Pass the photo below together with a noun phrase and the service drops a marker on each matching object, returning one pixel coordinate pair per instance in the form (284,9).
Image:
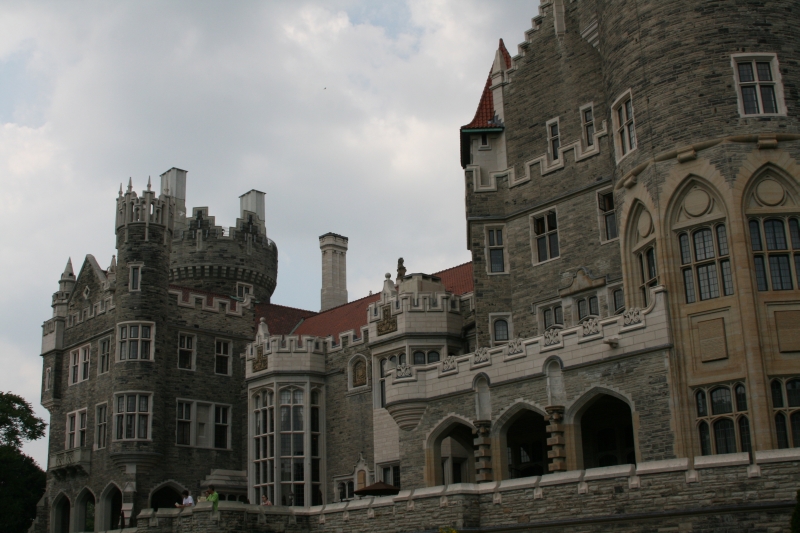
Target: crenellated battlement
(292,353)
(209,302)
(145,209)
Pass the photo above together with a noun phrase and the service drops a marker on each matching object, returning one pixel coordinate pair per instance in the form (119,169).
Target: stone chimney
(173,182)
(334,270)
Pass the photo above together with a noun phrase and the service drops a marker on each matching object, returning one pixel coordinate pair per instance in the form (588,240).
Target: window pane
(780,429)
(491,237)
(755,236)
(496,257)
(721,401)
(611,226)
(419,358)
(703,245)
(582,309)
(631,136)
(297,396)
(777,393)
(551,222)
(775,234)
(780,273)
(688,282)
(619,300)
(727,277)
(707,278)
(286,397)
(686,254)
(297,419)
(794,231)
(764,71)
(143,401)
(741,398)
(590,135)
(499,235)
(768,99)
(702,410)
(795,418)
(705,439)
(554,252)
(722,240)
(143,426)
(628,110)
(541,246)
(793,394)
(433,357)
(761,274)
(559,315)
(538,226)
(500,330)
(297,440)
(749,100)
(315,419)
(286,424)
(725,436)
(548,318)
(746,72)
(594,307)
(744,433)
(651,263)
(299,471)
(556,145)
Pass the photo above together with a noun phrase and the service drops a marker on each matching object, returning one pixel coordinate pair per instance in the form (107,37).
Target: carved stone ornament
(403,371)
(632,316)
(591,326)
(551,337)
(481,355)
(515,346)
(449,363)
(359,373)
(387,323)
(260,362)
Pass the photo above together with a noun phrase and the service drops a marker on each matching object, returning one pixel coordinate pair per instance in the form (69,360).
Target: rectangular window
(552,316)
(135,341)
(102,425)
(759,88)
(73,367)
(221,427)
(608,214)
(132,416)
(780,272)
(186,353)
(222,358)
(553,139)
(625,130)
(76,429)
(494,237)
(545,229)
(184,423)
(587,117)
(135,278)
(619,301)
(85,363)
(243,290)
(105,355)
(47,379)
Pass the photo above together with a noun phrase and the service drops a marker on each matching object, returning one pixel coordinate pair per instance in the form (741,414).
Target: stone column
(483,453)
(556,441)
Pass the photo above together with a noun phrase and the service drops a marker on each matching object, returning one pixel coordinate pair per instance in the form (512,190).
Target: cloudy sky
(345,112)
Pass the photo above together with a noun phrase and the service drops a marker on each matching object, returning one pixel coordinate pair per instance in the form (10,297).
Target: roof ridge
(348,303)
(290,307)
(452,267)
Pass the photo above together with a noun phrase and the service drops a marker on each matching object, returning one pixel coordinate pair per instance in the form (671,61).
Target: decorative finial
(388,276)
(130,184)
(120,190)
(401,269)
(148,183)
(113,266)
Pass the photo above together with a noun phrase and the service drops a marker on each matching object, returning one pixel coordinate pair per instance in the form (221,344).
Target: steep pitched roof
(280,319)
(353,315)
(484,115)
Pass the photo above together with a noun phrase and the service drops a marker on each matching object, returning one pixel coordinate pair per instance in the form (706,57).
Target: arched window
(382,381)
(500,330)
(433,357)
(702,409)
(725,427)
(419,357)
(359,373)
(401,359)
(588,307)
(776,258)
(744,433)
(648,272)
(724,436)
(786,406)
(706,267)
(721,401)
(741,398)
(705,439)
(342,491)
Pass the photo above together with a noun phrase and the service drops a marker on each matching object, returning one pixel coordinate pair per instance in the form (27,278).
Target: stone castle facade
(622,352)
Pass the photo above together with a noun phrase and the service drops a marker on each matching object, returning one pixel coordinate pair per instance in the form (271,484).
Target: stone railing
(675,494)
(69,462)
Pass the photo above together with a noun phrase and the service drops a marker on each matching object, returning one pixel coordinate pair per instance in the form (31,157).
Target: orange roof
(353,315)
(281,320)
(484,115)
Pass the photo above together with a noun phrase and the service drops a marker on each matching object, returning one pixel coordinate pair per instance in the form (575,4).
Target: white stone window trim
(193,337)
(601,216)
(137,413)
(243,289)
(494,317)
(534,248)
(217,354)
(620,154)
(97,426)
(487,249)
(576,307)
(80,361)
(554,139)
(777,83)
(427,349)
(541,308)
(48,378)
(644,285)
(351,375)
(710,419)
(151,339)
(108,355)
(611,289)
(585,125)
(481,137)
(138,267)
(379,468)
(349,483)
(74,430)
(210,424)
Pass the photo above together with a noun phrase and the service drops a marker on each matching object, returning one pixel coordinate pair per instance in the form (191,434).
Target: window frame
(776,83)
(710,419)
(80,360)
(243,289)
(602,216)
(193,337)
(135,280)
(641,262)
(393,469)
(228,356)
(544,215)
(611,300)
(490,241)
(550,307)
(622,148)
(104,358)
(588,299)
(121,417)
(694,265)
(787,411)
(493,319)
(101,426)
(151,340)
(554,145)
(75,432)
(588,137)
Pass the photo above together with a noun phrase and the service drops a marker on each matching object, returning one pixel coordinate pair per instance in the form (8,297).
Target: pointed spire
(130,184)
(68,273)
(120,190)
(113,266)
(148,183)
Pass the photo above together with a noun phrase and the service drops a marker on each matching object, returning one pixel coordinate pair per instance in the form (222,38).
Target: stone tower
(334,270)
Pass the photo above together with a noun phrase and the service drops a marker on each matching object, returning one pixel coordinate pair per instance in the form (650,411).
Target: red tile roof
(484,115)
(353,315)
(281,320)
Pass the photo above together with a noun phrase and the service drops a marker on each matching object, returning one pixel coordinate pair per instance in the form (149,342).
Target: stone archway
(451,453)
(61,512)
(110,507)
(84,511)
(524,445)
(606,431)
(165,497)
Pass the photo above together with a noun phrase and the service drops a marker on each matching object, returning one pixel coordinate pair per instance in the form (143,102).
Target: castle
(622,352)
